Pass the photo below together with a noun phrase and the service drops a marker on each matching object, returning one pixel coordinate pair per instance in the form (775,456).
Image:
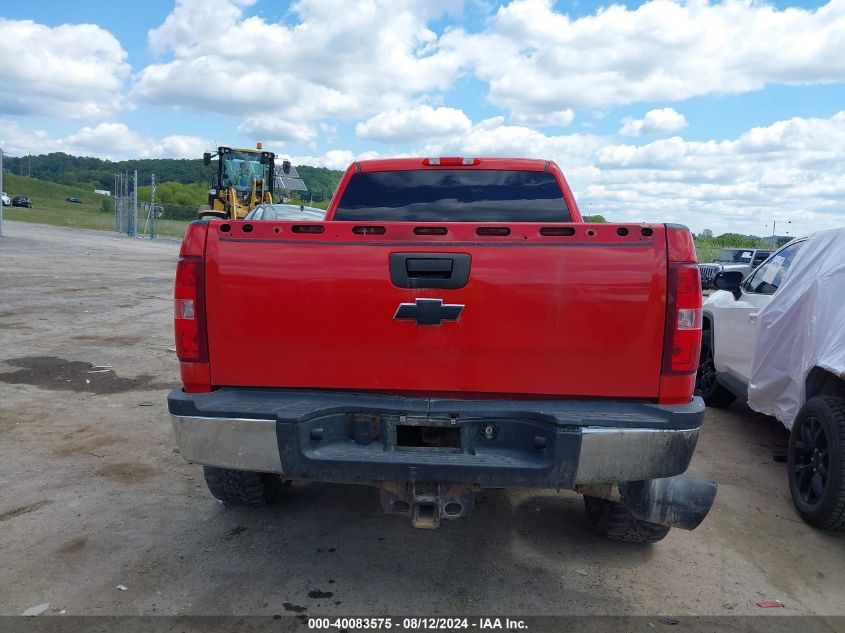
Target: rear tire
(613,520)
(706,384)
(244,488)
(816,460)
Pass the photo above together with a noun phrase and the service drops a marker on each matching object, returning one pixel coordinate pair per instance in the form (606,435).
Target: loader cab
(242,179)
(239,169)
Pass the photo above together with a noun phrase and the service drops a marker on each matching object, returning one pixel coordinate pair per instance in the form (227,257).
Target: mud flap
(426,504)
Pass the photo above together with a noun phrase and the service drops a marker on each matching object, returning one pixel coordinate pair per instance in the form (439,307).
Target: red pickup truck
(452,324)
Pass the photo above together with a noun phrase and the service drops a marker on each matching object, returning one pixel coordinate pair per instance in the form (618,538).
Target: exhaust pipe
(680,502)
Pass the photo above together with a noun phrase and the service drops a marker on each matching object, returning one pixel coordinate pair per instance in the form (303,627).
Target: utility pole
(29,165)
(133,218)
(775,224)
(152,216)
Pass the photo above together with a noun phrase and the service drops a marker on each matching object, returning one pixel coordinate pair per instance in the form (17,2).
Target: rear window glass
(453,195)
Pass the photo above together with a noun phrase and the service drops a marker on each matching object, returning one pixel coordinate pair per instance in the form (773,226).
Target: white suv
(7,201)
(779,361)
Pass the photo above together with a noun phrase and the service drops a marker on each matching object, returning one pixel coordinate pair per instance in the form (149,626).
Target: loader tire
(613,520)
(244,488)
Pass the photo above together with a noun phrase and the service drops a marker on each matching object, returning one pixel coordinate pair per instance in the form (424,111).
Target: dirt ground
(92,495)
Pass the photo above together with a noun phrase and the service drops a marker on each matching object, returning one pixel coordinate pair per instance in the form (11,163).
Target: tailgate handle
(429,270)
(432,268)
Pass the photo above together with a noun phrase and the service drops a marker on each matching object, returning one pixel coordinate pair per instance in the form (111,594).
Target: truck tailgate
(544,310)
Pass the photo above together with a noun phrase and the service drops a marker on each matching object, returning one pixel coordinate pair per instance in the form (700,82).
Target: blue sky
(719,115)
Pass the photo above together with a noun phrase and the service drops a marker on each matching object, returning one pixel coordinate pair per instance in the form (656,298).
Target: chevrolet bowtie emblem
(428,311)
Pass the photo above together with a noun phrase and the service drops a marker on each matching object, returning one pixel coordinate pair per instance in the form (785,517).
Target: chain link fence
(165,220)
(147,218)
(126,203)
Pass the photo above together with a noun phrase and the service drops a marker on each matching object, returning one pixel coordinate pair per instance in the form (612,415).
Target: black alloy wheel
(811,460)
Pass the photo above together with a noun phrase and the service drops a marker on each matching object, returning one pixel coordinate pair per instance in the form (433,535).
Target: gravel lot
(93,496)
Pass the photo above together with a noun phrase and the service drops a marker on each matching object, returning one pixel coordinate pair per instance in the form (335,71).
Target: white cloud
(71,71)
(537,60)
(113,141)
(662,120)
(413,124)
(275,129)
(116,140)
(542,117)
(325,61)
(334,159)
(335,61)
(789,169)
(493,138)
(190,22)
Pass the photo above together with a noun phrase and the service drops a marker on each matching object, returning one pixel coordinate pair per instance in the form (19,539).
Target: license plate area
(427,436)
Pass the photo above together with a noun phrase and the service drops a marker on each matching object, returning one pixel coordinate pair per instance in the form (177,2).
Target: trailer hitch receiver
(426,504)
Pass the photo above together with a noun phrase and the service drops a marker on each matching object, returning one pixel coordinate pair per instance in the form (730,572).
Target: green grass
(49,207)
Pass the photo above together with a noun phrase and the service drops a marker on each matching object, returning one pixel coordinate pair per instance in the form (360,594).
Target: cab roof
(406,164)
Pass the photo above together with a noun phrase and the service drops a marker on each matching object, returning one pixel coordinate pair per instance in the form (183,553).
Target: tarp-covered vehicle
(778,338)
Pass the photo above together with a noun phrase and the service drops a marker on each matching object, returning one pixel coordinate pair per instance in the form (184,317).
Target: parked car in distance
(22,201)
(7,201)
(72,199)
(775,340)
(285,212)
(743,260)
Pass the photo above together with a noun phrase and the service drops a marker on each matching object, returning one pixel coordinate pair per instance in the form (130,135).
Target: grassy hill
(50,207)
(50,195)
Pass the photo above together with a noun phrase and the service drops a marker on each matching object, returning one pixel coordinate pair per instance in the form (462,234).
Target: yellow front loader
(244,178)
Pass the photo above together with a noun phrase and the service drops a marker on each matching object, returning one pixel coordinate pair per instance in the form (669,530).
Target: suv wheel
(816,461)
(244,488)
(706,384)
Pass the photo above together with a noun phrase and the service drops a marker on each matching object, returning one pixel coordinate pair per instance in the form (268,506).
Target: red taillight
(683,320)
(189,310)
(451,161)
